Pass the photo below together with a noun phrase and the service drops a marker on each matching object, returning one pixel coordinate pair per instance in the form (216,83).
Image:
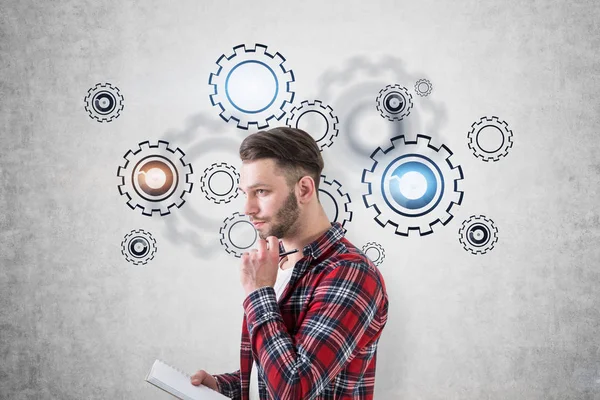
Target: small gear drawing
(341,201)
(423,87)
(490,138)
(251,86)
(326,112)
(155,178)
(394,102)
(104,102)
(478,234)
(412,185)
(138,247)
(376,247)
(240,223)
(213,190)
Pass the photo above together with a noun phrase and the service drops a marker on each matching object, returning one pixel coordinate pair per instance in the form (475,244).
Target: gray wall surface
(77,321)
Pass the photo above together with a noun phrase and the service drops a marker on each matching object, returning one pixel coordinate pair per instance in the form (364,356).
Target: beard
(285,219)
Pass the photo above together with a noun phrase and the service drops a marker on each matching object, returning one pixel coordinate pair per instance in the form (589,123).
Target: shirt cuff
(261,306)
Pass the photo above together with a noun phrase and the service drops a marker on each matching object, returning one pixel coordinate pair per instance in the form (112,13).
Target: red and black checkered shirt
(319,341)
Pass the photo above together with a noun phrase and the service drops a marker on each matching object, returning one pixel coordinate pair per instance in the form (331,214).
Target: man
(312,319)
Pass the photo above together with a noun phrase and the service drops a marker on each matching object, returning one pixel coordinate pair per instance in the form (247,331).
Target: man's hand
(204,378)
(259,266)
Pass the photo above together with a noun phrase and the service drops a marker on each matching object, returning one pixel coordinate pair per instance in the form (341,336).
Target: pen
(288,252)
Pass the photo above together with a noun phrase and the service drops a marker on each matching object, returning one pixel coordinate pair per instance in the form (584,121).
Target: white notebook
(178,383)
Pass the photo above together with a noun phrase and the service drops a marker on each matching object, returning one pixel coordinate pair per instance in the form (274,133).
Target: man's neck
(309,230)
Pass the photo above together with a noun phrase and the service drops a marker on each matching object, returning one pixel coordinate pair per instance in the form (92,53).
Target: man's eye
(260,190)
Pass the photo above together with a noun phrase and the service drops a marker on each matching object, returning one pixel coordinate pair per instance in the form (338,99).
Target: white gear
(325,111)
(274,63)
(490,122)
(423,92)
(225,232)
(205,183)
(341,200)
(378,248)
(446,198)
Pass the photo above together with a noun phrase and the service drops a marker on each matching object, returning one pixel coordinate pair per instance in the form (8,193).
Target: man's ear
(305,189)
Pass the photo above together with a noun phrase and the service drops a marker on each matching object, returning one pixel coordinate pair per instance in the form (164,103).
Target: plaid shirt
(319,341)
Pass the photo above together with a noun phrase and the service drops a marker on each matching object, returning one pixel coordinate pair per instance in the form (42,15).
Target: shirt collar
(318,246)
(325,241)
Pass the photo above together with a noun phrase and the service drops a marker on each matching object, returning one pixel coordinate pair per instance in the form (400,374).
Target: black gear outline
(426,92)
(261,118)
(89,107)
(491,227)
(382,109)
(228,223)
(380,250)
(326,112)
(339,198)
(126,187)
(507,137)
(151,242)
(205,183)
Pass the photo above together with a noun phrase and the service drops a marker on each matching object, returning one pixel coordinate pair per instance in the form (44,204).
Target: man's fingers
(198,377)
(262,248)
(273,245)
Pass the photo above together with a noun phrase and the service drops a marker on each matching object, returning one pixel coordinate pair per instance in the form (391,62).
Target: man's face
(268,199)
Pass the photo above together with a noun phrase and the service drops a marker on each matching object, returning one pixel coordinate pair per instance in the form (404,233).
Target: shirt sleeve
(342,317)
(229,384)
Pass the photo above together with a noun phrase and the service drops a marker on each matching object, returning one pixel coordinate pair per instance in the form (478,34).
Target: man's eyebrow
(253,186)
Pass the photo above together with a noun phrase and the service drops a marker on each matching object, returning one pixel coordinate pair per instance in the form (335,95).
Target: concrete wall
(78,321)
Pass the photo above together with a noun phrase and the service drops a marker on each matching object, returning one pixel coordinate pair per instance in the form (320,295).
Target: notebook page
(178,383)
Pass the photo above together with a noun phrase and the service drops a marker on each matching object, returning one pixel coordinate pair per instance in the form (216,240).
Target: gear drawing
(478,234)
(138,247)
(377,248)
(341,201)
(490,138)
(394,102)
(423,87)
(104,102)
(412,185)
(326,112)
(240,223)
(251,86)
(155,178)
(210,188)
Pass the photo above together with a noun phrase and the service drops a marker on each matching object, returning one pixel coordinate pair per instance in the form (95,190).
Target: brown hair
(295,152)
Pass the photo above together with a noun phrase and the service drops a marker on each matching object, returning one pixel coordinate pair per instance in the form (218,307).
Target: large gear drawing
(104,102)
(497,132)
(239,222)
(412,185)
(138,247)
(209,188)
(270,67)
(376,247)
(478,234)
(394,102)
(423,87)
(326,112)
(340,199)
(155,178)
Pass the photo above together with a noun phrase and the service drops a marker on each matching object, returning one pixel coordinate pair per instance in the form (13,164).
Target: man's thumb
(198,377)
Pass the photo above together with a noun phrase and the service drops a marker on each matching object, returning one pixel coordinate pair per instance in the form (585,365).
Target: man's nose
(249,206)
